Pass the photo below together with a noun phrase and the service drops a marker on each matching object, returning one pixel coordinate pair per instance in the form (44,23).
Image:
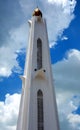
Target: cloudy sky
(63,19)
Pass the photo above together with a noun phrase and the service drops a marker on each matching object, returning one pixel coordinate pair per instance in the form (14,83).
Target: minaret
(38,109)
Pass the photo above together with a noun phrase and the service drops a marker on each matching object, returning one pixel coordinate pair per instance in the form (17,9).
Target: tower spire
(37,3)
(38,110)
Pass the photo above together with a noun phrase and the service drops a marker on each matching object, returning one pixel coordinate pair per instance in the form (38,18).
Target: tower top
(37,12)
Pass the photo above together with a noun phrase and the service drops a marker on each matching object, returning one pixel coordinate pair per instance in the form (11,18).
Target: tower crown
(37,12)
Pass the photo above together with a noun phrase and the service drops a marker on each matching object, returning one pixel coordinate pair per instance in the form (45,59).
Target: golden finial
(37,12)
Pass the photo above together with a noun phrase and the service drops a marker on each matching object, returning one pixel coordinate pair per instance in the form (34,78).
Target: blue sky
(64,36)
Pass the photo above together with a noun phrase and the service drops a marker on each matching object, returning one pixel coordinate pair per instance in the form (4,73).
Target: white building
(38,109)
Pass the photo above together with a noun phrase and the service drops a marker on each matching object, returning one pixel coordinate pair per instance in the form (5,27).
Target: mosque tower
(38,109)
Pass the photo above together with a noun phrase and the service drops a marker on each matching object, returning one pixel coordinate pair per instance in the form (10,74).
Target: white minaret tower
(38,109)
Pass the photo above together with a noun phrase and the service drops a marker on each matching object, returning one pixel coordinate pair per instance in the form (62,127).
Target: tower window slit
(39,54)
(40,110)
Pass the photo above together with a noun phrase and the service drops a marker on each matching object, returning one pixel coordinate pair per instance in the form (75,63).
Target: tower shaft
(38,109)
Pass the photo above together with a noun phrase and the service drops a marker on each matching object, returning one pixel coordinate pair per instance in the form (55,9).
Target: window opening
(40,110)
(39,54)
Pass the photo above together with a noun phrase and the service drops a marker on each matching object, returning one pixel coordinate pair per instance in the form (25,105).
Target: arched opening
(40,116)
(39,53)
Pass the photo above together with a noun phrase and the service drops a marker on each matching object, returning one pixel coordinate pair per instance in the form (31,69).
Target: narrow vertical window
(39,54)
(40,110)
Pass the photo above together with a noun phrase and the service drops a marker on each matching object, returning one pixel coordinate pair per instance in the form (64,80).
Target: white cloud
(8,55)
(68,120)
(9,112)
(67,73)
(63,2)
(10,107)
(17,38)
(59,21)
(67,84)
(74,120)
(27,7)
(64,38)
